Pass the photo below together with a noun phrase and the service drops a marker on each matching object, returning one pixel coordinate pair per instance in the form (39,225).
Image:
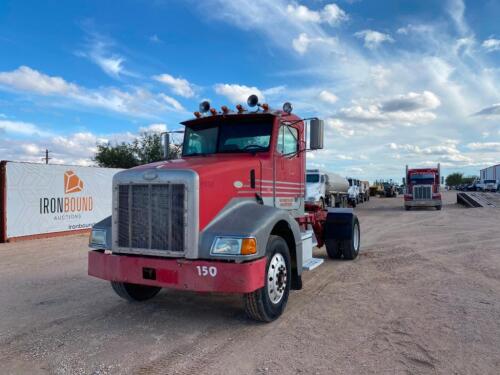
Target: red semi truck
(229,216)
(422,188)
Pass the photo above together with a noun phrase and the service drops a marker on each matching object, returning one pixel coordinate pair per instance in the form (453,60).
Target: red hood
(218,175)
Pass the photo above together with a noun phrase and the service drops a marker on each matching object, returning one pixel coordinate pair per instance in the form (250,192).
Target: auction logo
(72,183)
(74,204)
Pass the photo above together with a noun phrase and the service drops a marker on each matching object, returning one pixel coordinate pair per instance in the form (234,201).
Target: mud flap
(339,224)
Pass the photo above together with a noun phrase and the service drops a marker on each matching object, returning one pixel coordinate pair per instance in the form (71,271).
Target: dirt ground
(422,298)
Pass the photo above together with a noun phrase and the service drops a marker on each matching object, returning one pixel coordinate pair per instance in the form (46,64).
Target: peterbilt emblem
(149,175)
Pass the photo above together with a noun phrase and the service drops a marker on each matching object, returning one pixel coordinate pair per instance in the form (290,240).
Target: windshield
(422,179)
(228,136)
(312,178)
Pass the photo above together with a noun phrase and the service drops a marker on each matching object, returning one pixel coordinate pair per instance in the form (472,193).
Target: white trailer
(326,189)
(490,178)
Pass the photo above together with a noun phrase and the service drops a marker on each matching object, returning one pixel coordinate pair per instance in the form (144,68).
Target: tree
(143,150)
(454,179)
(118,156)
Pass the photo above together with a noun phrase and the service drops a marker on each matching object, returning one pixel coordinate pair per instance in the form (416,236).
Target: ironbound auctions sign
(55,198)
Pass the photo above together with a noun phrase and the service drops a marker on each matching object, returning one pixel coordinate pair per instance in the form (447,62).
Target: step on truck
(228,216)
(326,189)
(423,188)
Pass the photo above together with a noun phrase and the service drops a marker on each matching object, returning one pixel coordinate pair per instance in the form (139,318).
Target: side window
(322,178)
(287,140)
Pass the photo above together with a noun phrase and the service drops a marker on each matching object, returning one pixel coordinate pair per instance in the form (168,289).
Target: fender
(247,218)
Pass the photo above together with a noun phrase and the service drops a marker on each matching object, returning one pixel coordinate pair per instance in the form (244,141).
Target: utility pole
(46,157)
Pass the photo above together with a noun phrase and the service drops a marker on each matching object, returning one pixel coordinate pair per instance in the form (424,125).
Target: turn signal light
(248,246)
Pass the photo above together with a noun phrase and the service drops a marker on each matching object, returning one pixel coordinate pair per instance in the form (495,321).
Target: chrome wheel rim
(276,278)
(355,238)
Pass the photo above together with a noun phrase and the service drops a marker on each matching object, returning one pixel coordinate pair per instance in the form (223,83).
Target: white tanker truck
(326,189)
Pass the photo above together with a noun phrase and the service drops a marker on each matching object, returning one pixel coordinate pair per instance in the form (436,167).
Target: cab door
(288,169)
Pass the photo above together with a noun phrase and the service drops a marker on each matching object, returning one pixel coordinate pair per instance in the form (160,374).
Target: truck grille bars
(152,216)
(422,192)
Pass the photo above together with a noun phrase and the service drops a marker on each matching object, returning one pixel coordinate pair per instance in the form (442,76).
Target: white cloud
(26,79)
(372,38)
(328,97)
(155,39)
(21,128)
(135,102)
(331,14)
(491,44)
(303,13)
(484,146)
(179,86)
(238,93)
(408,109)
(154,128)
(302,43)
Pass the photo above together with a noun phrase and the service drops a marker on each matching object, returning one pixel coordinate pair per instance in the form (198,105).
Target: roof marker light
(197,114)
(240,108)
(213,111)
(287,107)
(265,107)
(204,106)
(224,109)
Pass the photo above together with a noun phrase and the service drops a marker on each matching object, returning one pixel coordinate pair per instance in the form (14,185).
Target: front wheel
(134,292)
(438,208)
(268,303)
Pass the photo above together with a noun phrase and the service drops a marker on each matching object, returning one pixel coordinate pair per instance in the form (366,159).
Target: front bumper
(193,275)
(424,203)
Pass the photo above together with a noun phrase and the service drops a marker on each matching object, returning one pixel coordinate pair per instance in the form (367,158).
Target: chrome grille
(152,216)
(422,192)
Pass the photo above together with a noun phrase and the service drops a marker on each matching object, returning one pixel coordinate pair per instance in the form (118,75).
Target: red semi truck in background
(229,216)
(422,188)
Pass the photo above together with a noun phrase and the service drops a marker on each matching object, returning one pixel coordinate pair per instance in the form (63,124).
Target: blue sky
(397,81)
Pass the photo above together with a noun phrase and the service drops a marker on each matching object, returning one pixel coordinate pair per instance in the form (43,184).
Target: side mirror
(317,129)
(165,145)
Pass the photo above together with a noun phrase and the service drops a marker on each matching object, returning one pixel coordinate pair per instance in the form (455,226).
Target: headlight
(233,246)
(97,238)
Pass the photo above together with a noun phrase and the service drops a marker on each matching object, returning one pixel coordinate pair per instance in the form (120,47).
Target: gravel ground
(422,298)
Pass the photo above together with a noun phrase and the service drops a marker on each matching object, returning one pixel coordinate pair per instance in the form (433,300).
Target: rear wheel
(438,208)
(134,292)
(350,248)
(269,302)
(333,249)
(407,208)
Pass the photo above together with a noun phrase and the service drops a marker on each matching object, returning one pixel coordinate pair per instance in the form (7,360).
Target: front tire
(438,208)
(268,303)
(135,292)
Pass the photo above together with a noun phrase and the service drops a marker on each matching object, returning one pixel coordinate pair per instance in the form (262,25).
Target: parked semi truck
(422,188)
(326,189)
(229,216)
(354,191)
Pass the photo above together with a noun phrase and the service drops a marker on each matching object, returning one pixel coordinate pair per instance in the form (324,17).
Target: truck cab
(489,185)
(354,191)
(316,187)
(423,188)
(228,216)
